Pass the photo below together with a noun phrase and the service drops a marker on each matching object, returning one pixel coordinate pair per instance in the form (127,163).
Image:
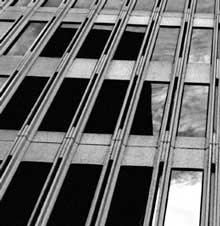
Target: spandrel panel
(130,196)
(21,3)
(175,6)
(114,4)
(166,43)
(25,40)
(83,3)
(205,6)
(149,113)
(193,111)
(184,198)
(52,3)
(201,43)
(146,5)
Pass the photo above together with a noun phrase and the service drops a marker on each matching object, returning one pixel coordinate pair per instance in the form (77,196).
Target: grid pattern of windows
(109,110)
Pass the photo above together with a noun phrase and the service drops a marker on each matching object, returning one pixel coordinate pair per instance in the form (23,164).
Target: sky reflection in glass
(183,207)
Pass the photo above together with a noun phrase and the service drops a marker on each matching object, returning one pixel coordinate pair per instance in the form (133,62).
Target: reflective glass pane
(148,116)
(184,198)
(205,6)
(26,38)
(114,4)
(200,49)
(194,111)
(4,27)
(166,44)
(83,3)
(52,3)
(21,3)
(144,5)
(175,5)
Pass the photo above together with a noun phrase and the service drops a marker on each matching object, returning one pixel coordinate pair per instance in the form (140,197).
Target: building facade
(109,113)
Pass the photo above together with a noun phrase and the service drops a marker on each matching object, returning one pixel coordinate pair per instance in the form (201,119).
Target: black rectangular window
(64,105)
(74,200)
(52,3)
(59,41)
(95,42)
(25,39)
(20,3)
(130,196)
(107,107)
(149,113)
(166,44)
(20,105)
(130,43)
(193,116)
(22,194)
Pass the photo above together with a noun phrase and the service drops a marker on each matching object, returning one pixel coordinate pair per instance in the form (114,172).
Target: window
(55,47)
(21,103)
(194,111)
(132,37)
(144,5)
(20,3)
(130,196)
(90,49)
(52,3)
(23,191)
(183,206)
(114,4)
(175,6)
(4,27)
(166,43)
(64,105)
(83,4)
(23,42)
(205,6)
(149,113)
(75,196)
(201,43)
(107,107)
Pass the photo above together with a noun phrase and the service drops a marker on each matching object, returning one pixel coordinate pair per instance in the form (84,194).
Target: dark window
(21,103)
(146,5)
(22,194)
(130,196)
(130,43)
(74,200)
(52,3)
(205,6)
(201,43)
(194,111)
(23,41)
(166,43)
(184,198)
(107,107)
(83,4)
(64,105)
(114,4)
(175,6)
(20,3)
(149,113)
(95,42)
(59,41)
